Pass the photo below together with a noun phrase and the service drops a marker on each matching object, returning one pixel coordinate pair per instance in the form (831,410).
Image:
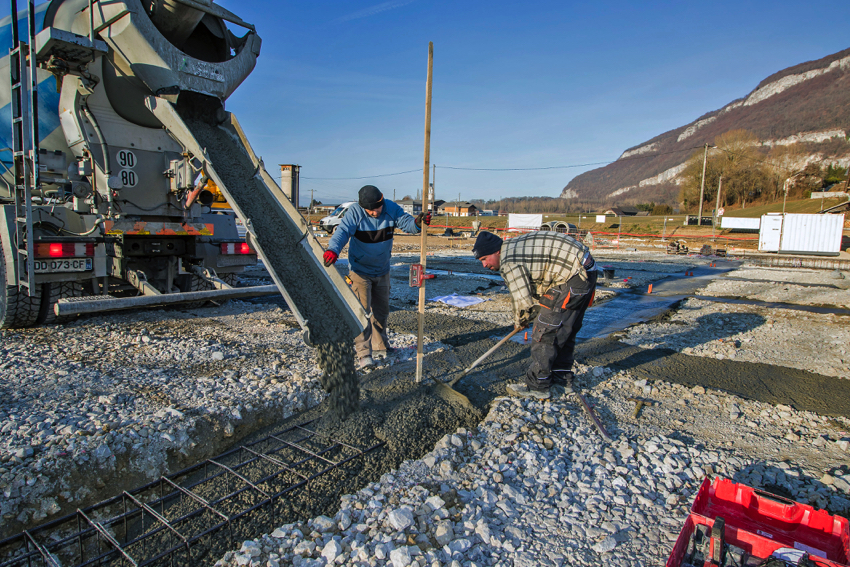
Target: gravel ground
(107,403)
(534,484)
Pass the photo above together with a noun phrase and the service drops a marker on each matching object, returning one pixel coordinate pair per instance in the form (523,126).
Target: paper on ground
(459,300)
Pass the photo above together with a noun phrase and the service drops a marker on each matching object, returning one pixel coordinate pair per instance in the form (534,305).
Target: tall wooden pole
(423,250)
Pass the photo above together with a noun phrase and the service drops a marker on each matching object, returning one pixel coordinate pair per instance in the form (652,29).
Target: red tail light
(236,248)
(64,250)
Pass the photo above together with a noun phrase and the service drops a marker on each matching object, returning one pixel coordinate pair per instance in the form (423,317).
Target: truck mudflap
(323,304)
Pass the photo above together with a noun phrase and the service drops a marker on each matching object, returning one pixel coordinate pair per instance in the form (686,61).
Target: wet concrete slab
(766,383)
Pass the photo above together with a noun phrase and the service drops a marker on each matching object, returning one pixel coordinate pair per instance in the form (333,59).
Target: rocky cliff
(807,103)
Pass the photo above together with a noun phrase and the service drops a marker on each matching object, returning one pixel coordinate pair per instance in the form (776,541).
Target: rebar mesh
(190,516)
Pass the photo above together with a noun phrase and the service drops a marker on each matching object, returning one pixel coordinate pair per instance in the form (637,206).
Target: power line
(504,168)
(524,168)
(367,176)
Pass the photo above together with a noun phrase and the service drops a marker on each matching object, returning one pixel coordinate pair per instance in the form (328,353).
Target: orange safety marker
(525,338)
(650,289)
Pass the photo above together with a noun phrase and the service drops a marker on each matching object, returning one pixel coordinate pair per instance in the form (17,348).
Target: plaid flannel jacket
(538,261)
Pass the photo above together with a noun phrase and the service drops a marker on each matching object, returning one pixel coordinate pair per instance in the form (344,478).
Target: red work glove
(426,218)
(330,257)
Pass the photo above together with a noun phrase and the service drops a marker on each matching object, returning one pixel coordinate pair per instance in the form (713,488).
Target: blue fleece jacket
(371,238)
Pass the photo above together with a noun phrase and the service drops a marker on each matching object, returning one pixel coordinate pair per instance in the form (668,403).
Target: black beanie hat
(487,243)
(370,198)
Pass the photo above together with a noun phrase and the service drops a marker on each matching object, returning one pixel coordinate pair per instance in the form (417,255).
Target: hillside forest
(746,172)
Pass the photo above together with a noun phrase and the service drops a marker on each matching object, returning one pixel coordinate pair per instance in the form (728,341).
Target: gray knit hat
(487,243)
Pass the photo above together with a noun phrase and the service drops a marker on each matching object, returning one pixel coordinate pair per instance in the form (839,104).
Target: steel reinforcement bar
(176,519)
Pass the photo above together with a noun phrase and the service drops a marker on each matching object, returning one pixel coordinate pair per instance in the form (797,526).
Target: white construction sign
(516,221)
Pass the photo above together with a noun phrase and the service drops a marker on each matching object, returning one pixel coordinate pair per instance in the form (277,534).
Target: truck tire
(17,309)
(200,284)
(330,230)
(53,292)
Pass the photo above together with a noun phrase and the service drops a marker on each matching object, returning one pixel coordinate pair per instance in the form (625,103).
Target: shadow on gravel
(755,381)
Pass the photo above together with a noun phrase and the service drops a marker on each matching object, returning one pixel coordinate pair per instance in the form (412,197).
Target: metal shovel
(485,355)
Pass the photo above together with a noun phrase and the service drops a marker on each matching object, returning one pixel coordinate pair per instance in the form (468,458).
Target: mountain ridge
(807,103)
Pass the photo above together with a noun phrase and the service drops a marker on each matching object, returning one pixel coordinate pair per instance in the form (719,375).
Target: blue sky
(339,87)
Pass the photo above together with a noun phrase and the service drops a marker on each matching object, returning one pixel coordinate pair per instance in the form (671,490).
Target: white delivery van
(332,221)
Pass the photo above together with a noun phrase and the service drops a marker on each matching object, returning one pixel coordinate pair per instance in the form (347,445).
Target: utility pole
(458,204)
(310,208)
(619,227)
(423,247)
(702,186)
(393,194)
(716,207)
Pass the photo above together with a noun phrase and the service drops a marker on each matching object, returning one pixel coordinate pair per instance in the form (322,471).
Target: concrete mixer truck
(112,125)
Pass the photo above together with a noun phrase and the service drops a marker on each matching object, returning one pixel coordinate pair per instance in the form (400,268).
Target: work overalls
(561,315)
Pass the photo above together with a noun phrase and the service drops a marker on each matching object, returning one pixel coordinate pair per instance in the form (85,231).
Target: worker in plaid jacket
(552,280)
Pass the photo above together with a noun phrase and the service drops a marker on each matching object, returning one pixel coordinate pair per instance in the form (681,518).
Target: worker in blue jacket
(370,225)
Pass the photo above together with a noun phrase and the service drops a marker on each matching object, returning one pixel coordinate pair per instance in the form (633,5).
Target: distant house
(622,211)
(459,209)
(325,208)
(414,207)
(410,206)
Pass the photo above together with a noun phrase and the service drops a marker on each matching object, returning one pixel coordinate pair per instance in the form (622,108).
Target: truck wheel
(330,230)
(199,284)
(17,309)
(53,292)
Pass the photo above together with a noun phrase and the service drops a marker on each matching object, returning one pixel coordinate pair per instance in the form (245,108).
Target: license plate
(63,265)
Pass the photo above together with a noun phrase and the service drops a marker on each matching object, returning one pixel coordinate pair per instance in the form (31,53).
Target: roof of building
(622,211)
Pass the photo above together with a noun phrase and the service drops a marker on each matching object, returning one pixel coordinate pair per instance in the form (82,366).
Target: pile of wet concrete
(410,417)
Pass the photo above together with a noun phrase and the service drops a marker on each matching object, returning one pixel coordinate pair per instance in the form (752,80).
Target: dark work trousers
(374,296)
(554,333)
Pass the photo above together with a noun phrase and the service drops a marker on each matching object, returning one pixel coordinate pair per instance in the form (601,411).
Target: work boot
(522,391)
(379,354)
(537,384)
(364,362)
(563,379)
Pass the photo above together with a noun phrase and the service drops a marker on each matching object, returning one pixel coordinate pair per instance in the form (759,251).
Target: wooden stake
(423,250)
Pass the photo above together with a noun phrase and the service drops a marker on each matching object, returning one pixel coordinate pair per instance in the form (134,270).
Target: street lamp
(664,230)
(785,190)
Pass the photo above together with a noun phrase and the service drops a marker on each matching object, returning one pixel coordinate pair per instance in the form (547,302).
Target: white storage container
(740,223)
(812,234)
(818,235)
(770,233)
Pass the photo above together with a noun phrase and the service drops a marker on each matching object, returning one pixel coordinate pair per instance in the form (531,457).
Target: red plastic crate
(760,523)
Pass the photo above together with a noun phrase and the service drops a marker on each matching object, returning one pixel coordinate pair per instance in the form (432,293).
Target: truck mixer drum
(115,123)
(174,19)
